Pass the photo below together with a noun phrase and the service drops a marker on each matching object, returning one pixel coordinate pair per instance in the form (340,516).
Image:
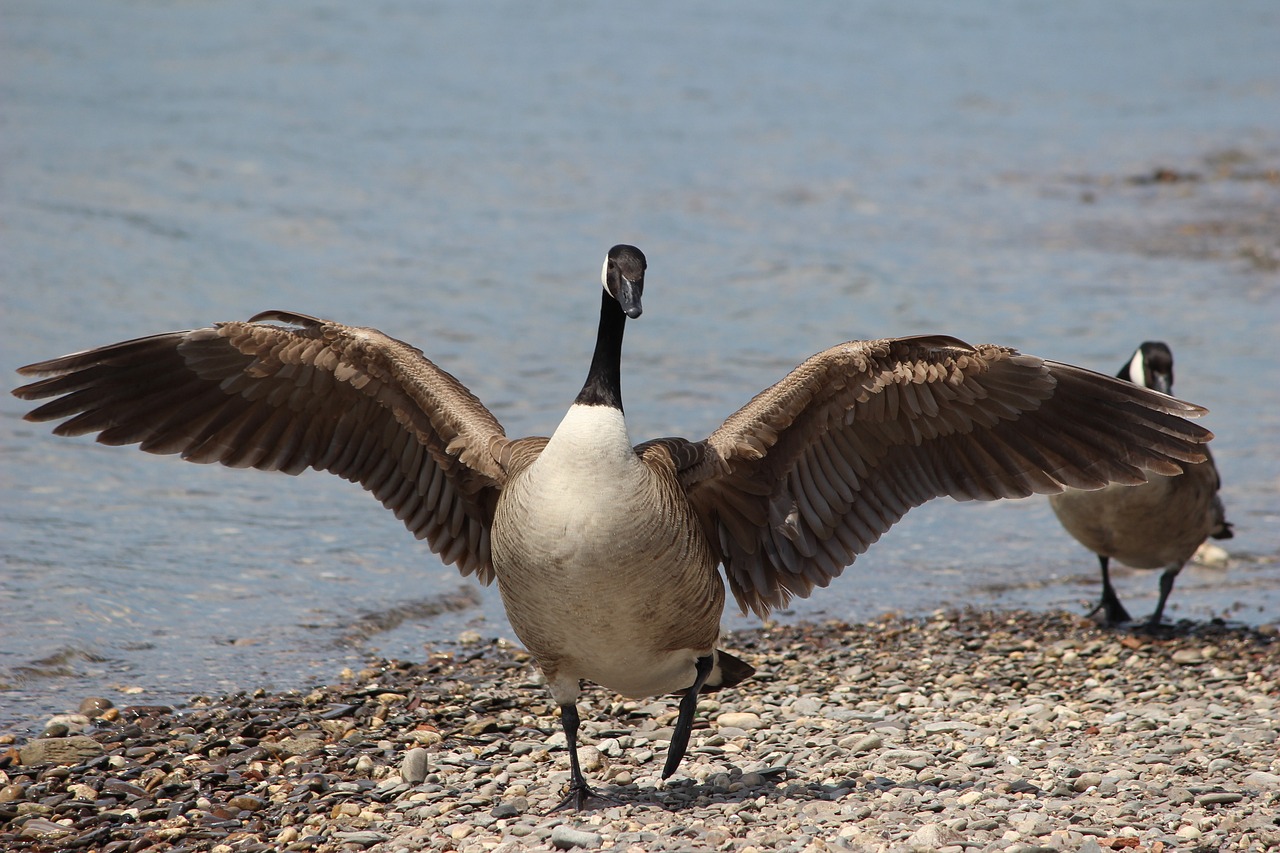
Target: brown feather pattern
(294,394)
(857,435)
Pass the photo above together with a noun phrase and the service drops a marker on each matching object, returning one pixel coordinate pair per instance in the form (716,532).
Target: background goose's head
(623,277)
(1152,366)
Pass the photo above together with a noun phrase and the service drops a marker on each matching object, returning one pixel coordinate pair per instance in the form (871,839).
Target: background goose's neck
(604,380)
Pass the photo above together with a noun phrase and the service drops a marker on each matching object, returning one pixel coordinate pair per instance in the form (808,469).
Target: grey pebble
(864,743)
(505,810)
(61,750)
(565,837)
(933,835)
(906,757)
(95,706)
(65,724)
(292,746)
(362,838)
(1263,779)
(414,766)
(946,727)
(40,829)
(1014,749)
(1085,781)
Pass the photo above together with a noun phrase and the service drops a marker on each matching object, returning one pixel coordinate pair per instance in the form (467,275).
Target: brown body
(1156,525)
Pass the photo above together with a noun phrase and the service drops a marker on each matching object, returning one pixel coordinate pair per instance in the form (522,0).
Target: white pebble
(740,720)
(565,837)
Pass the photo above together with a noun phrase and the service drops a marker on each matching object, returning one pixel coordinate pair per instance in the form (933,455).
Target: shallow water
(452,174)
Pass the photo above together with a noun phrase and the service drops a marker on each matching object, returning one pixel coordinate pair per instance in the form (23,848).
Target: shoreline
(964,730)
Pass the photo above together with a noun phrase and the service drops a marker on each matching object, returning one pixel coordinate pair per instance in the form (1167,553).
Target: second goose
(1158,525)
(607,553)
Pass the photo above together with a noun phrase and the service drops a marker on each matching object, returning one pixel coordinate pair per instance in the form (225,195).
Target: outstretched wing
(287,392)
(806,476)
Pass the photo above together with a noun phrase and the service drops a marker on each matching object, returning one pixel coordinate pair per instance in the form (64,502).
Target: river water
(452,173)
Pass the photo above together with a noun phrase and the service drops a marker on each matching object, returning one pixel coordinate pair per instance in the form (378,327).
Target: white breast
(584,562)
(587,468)
(564,524)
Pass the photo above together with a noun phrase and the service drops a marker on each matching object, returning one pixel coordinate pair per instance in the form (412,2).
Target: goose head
(1152,366)
(623,277)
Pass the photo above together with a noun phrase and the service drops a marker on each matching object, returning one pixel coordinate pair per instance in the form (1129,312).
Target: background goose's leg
(1166,586)
(1113,610)
(684,723)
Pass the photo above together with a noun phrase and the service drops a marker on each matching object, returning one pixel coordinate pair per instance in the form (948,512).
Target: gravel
(965,731)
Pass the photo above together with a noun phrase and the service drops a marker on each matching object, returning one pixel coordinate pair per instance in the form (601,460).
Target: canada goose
(1157,525)
(606,554)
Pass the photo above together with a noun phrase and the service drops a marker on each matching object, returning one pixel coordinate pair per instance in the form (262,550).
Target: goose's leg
(1113,610)
(580,793)
(1166,586)
(684,723)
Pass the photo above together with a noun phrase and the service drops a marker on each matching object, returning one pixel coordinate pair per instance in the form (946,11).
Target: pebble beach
(963,731)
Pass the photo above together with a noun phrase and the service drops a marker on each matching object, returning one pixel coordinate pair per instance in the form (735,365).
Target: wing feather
(287,392)
(816,468)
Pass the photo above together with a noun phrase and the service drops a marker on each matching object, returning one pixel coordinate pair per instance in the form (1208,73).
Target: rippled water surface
(453,173)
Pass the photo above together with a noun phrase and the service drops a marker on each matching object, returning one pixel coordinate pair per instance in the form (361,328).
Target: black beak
(629,296)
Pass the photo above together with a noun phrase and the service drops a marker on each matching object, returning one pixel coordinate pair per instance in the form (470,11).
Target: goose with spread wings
(608,554)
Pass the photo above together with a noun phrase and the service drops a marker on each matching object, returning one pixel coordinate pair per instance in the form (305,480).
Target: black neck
(604,380)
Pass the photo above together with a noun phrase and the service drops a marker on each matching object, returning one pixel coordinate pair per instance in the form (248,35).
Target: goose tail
(727,672)
(1222,529)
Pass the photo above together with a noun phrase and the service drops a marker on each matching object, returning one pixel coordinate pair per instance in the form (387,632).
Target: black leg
(1166,587)
(1113,611)
(684,723)
(579,791)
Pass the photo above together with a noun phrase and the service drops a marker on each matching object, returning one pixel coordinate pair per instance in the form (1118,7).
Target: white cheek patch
(1137,369)
(604,274)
